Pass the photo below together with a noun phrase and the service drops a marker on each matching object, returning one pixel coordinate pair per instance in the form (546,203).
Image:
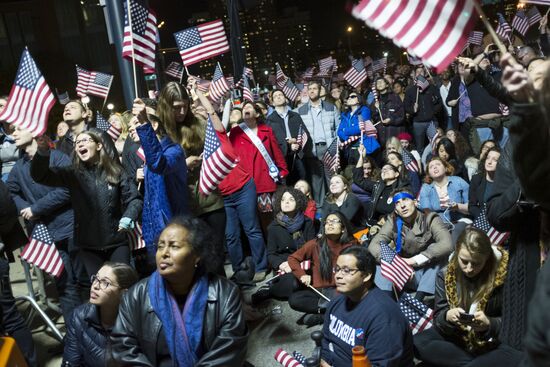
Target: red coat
(253,161)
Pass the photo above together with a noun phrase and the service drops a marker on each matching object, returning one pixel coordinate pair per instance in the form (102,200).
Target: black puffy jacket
(86,342)
(138,338)
(98,206)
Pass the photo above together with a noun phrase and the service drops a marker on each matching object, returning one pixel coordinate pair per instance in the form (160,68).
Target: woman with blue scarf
(182,315)
(286,234)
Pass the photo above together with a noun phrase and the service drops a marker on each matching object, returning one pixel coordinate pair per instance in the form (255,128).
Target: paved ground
(272,324)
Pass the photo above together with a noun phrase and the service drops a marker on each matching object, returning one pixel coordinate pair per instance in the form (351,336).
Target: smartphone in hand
(466,318)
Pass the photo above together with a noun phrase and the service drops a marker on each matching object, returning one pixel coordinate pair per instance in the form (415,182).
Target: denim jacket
(457,189)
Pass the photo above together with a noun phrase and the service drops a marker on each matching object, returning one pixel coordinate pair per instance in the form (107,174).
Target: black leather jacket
(138,338)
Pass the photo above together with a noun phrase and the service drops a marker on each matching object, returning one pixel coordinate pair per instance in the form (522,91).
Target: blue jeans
(241,208)
(423,281)
(486,133)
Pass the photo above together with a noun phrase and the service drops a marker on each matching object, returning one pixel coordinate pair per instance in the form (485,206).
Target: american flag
(413,60)
(304,265)
(432,133)
(356,74)
(286,360)
(219,159)
(539,2)
(280,77)
(285,84)
(250,75)
(218,86)
(417,313)
(42,253)
(202,42)
(503,28)
(141,154)
(410,162)
(331,160)
(497,238)
(368,127)
(247,93)
(379,65)
(299,357)
(104,125)
(327,63)
(374,91)
(534,15)
(63,97)
(421,83)
(323,73)
(92,82)
(135,238)
(203,85)
(30,99)
(393,267)
(175,70)
(434,30)
(301,139)
(140,41)
(475,38)
(308,74)
(370,73)
(520,22)
(368,60)
(230,81)
(350,140)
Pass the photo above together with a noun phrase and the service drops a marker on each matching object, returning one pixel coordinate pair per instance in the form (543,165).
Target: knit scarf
(292,225)
(182,329)
(472,340)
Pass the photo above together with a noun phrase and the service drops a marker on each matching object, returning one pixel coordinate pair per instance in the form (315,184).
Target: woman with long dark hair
(336,235)
(445,150)
(468,308)
(105,201)
(481,186)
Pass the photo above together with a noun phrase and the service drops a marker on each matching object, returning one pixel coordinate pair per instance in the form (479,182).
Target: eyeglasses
(85,141)
(333,221)
(345,270)
(103,283)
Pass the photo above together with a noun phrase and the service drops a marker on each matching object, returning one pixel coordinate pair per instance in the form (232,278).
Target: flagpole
(546,15)
(395,292)
(129,9)
(107,95)
(489,27)
(319,293)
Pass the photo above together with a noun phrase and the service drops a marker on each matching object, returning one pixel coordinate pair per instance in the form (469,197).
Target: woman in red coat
(260,156)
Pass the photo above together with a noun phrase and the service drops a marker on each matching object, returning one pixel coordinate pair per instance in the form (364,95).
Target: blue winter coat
(349,127)
(166,193)
(50,205)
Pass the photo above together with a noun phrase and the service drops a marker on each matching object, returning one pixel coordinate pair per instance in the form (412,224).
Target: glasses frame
(103,283)
(346,271)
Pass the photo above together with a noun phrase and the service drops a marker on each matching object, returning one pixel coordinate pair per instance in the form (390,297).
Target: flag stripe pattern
(30,99)
(497,238)
(135,237)
(410,162)
(475,38)
(393,267)
(419,315)
(301,138)
(503,28)
(331,160)
(94,83)
(104,125)
(534,15)
(379,65)
(141,154)
(42,253)
(218,86)
(286,360)
(434,30)
(202,42)
(175,70)
(247,93)
(356,74)
(285,84)
(143,35)
(218,161)
(520,23)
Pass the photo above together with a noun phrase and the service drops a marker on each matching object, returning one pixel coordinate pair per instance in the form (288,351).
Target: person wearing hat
(406,142)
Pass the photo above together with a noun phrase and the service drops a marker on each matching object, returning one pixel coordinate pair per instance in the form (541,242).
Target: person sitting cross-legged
(362,315)
(422,240)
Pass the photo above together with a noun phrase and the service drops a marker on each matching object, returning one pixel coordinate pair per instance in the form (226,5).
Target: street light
(349,30)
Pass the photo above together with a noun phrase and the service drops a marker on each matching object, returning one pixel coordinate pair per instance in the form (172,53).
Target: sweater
(310,251)
(376,323)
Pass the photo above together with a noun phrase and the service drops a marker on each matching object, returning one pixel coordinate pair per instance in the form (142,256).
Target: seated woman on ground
(311,207)
(336,235)
(446,150)
(340,198)
(407,175)
(481,186)
(87,340)
(370,171)
(468,308)
(182,314)
(287,233)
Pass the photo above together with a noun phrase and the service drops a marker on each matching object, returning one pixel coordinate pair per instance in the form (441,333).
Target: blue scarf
(183,330)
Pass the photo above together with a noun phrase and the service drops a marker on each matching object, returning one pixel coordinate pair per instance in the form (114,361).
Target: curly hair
(299,197)
(205,243)
(481,166)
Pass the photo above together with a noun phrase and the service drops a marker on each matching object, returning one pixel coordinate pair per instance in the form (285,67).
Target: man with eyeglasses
(363,315)
(421,239)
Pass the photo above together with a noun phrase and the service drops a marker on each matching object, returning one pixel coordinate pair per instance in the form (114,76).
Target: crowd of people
(419,168)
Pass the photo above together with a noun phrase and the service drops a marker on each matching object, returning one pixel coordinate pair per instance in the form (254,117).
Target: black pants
(94,259)
(67,285)
(12,321)
(284,286)
(216,220)
(306,300)
(434,350)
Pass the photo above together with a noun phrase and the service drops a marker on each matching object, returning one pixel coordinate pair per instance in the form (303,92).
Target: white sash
(273,170)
